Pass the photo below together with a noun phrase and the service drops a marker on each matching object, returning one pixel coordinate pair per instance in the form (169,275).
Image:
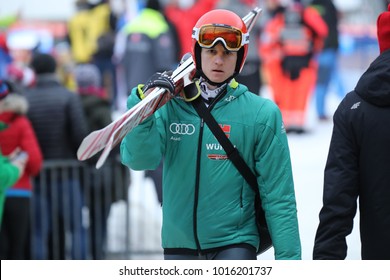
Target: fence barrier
(72,213)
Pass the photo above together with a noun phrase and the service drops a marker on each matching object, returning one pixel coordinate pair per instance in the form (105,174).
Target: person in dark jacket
(59,122)
(149,43)
(110,182)
(358,165)
(55,112)
(93,96)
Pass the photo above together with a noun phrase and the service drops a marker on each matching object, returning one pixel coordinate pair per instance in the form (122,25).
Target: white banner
(152,269)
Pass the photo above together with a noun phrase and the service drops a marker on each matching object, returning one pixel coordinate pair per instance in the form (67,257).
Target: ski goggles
(232,38)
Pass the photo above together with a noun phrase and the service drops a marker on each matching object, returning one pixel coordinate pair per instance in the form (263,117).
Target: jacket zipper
(196,195)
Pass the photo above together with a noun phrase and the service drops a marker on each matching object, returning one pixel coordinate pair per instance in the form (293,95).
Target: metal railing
(72,215)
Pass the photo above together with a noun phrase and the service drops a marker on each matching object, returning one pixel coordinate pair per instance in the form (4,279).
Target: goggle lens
(231,37)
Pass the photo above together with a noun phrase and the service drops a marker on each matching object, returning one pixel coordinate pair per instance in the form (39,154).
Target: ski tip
(100,162)
(80,153)
(257,10)
(103,157)
(185,57)
(98,165)
(88,147)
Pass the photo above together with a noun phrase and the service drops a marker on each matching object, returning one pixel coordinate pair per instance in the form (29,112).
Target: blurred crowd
(79,83)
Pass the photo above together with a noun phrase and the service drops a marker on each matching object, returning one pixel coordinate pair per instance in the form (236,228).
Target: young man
(358,164)
(208,206)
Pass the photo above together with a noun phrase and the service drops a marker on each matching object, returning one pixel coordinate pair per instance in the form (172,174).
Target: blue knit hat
(3,90)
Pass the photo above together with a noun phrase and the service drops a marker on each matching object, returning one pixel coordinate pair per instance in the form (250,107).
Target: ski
(156,100)
(98,140)
(108,137)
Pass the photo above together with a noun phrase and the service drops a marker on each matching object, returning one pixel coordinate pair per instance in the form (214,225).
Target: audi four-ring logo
(182,128)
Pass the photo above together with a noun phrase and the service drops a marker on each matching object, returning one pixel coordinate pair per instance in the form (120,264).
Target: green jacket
(9,174)
(206,202)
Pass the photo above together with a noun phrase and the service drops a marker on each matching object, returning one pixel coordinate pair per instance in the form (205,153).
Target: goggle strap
(219,39)
(245,39)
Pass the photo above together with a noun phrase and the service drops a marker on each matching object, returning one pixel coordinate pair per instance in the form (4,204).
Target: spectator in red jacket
(11,168)
(191,11)
(289,42)
(18,135)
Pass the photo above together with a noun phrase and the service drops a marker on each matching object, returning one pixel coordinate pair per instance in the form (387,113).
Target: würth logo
(226,129)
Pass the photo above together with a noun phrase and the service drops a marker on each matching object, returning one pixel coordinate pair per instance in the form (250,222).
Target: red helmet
(220,26)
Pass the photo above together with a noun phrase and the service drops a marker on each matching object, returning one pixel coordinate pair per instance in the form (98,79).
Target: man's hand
(161,80)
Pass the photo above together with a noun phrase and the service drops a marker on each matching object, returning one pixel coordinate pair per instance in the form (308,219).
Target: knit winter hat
(383,26)
(88,79)
(4,90)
